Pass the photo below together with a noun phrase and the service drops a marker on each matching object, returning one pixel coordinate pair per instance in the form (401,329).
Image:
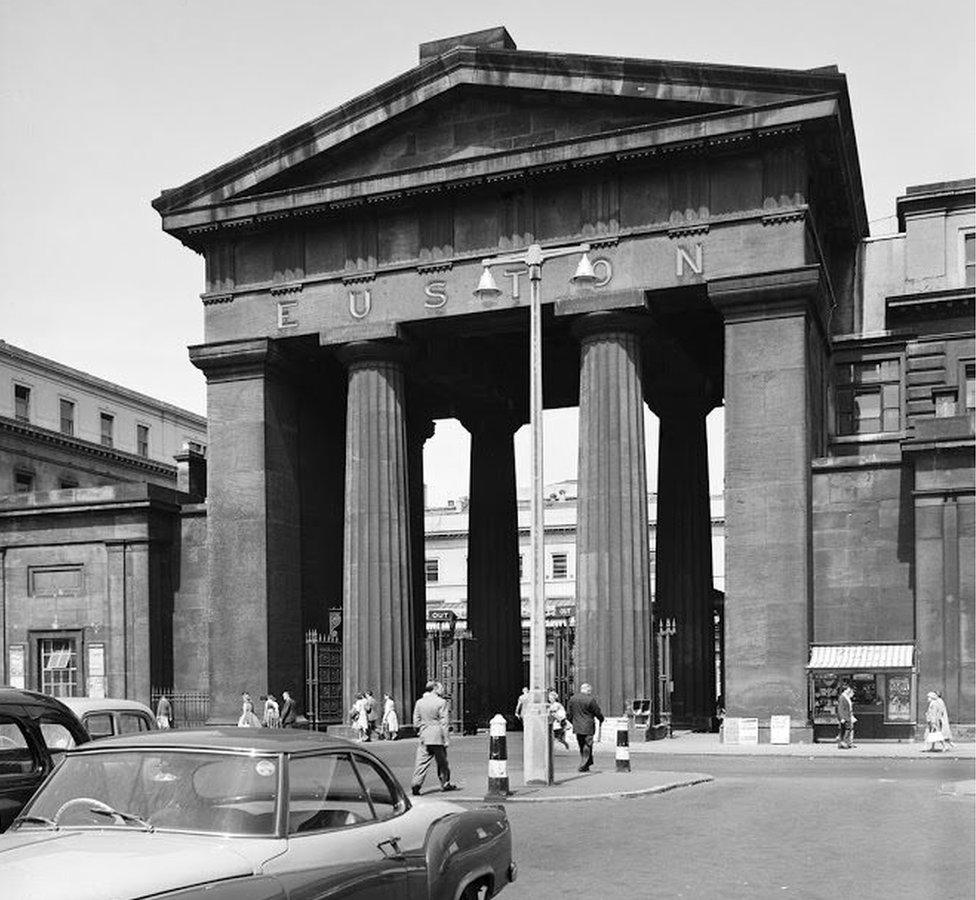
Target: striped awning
(849,657)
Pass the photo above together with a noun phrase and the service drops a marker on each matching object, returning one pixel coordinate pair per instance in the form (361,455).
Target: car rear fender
(465,847)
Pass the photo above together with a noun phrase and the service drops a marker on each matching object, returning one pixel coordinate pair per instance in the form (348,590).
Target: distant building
(96,483)
(62,429)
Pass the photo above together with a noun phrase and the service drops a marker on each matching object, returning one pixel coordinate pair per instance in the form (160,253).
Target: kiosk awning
(862,656)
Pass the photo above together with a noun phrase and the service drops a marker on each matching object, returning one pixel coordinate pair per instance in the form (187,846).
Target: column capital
(771,295)
(595,325)
(359,354)
(239,360)
(491,418)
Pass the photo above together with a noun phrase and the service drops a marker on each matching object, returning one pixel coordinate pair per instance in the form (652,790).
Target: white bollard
(497,759)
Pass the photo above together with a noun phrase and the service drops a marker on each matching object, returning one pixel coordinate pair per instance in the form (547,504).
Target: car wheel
(476,891)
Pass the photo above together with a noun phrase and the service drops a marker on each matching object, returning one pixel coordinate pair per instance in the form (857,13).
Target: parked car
(237,812)
(108,716)
(35,731)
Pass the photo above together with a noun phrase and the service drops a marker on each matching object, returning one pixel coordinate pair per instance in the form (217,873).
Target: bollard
(497,760)
(623,746)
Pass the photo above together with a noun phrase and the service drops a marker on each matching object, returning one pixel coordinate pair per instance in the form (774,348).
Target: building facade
(96,483)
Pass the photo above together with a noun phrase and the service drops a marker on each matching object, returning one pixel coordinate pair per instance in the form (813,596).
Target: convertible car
(256,814)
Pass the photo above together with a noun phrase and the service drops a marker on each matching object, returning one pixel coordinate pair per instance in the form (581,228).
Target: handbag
(932,736)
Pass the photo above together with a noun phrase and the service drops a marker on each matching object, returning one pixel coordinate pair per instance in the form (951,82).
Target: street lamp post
(537,737)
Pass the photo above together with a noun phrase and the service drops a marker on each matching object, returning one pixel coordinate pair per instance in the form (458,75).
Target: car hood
(39,864)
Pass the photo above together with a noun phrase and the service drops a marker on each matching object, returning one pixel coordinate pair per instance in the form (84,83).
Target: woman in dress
(272,717)
(390,724)
(164,713)
(248,719)
(936,724)
(359,718)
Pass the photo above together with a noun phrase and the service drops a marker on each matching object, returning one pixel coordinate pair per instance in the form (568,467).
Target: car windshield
(168,790)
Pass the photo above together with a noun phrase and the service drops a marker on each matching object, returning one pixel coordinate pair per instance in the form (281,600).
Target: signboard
(96,671)
(730,731)
(779,729)
(749,731)
(16,669)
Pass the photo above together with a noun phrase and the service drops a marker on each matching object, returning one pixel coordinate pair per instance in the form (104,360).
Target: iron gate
(323,679)
(450,659)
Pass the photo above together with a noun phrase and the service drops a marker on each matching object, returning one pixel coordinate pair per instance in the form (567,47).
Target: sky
(103,103)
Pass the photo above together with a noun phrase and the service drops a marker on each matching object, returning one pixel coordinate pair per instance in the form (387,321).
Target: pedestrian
(391,724)
(559,721)
(164,713)
(432,721)
(937,729)
(272,715)
(583,713)
(357,716)
(288,714)
(372,714)
(248,719)
(520,704)
(845,718)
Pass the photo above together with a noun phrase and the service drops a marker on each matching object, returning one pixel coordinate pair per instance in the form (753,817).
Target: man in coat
(372,714)
(583,713)
(432,721)
(845,718)
(288,713)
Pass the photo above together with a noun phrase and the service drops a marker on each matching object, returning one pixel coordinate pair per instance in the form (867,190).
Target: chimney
(191,474)
(487,39)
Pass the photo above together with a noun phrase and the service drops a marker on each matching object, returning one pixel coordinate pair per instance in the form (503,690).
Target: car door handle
(393,842)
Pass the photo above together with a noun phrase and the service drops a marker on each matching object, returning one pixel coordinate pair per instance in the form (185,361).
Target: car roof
(230,737)
(22,696)
(81,705)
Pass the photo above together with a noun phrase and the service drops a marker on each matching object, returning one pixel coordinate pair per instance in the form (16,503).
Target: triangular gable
(371,135)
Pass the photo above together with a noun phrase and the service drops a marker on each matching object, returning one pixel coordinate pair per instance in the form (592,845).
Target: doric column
(494,598)
(378,615)
(683,583)
(613,640)
(253,523)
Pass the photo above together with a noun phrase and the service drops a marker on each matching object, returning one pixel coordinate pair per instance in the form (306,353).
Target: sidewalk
(694,744)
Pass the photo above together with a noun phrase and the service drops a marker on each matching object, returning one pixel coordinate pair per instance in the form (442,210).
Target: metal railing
(191,709)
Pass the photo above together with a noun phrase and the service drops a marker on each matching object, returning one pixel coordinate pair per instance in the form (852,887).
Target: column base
(536,740)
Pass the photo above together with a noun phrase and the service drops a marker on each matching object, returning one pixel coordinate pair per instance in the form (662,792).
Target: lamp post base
(536,740)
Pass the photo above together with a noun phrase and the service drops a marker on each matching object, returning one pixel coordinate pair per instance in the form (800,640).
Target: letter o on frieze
(603,271)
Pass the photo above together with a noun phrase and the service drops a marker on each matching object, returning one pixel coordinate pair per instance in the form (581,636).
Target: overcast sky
(105,102)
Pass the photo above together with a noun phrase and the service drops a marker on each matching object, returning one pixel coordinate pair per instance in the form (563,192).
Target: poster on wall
(16,667)
(898,698)
(96,671)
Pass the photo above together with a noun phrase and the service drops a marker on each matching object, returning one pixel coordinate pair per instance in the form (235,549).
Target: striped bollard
(623,746)
(497,760)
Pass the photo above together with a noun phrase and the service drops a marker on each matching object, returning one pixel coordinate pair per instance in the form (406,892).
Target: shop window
(826,690)
(868,395)
(67,417)
(22,395)
(560,565)
(23,482)
(142,440)
(432,570)
(107,426)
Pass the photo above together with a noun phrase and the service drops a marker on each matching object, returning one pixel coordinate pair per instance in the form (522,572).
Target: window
(57,737)
(521,569)
(969,258)
(196,447)
(67,484)
(432,570)
(383,796)
(132,723)
(21,403)
(142,440)
(15,753)
(107,426)
(99,725)
(59,666)
(23,482)
(67,417)
(324,792)
(560,567)
(969,377)
(868,397)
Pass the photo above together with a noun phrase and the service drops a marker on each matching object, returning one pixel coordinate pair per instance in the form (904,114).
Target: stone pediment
(474,112)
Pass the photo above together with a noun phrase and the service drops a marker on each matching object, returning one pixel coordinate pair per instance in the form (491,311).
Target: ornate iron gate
(323,679)
(449,660)
(563,677)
